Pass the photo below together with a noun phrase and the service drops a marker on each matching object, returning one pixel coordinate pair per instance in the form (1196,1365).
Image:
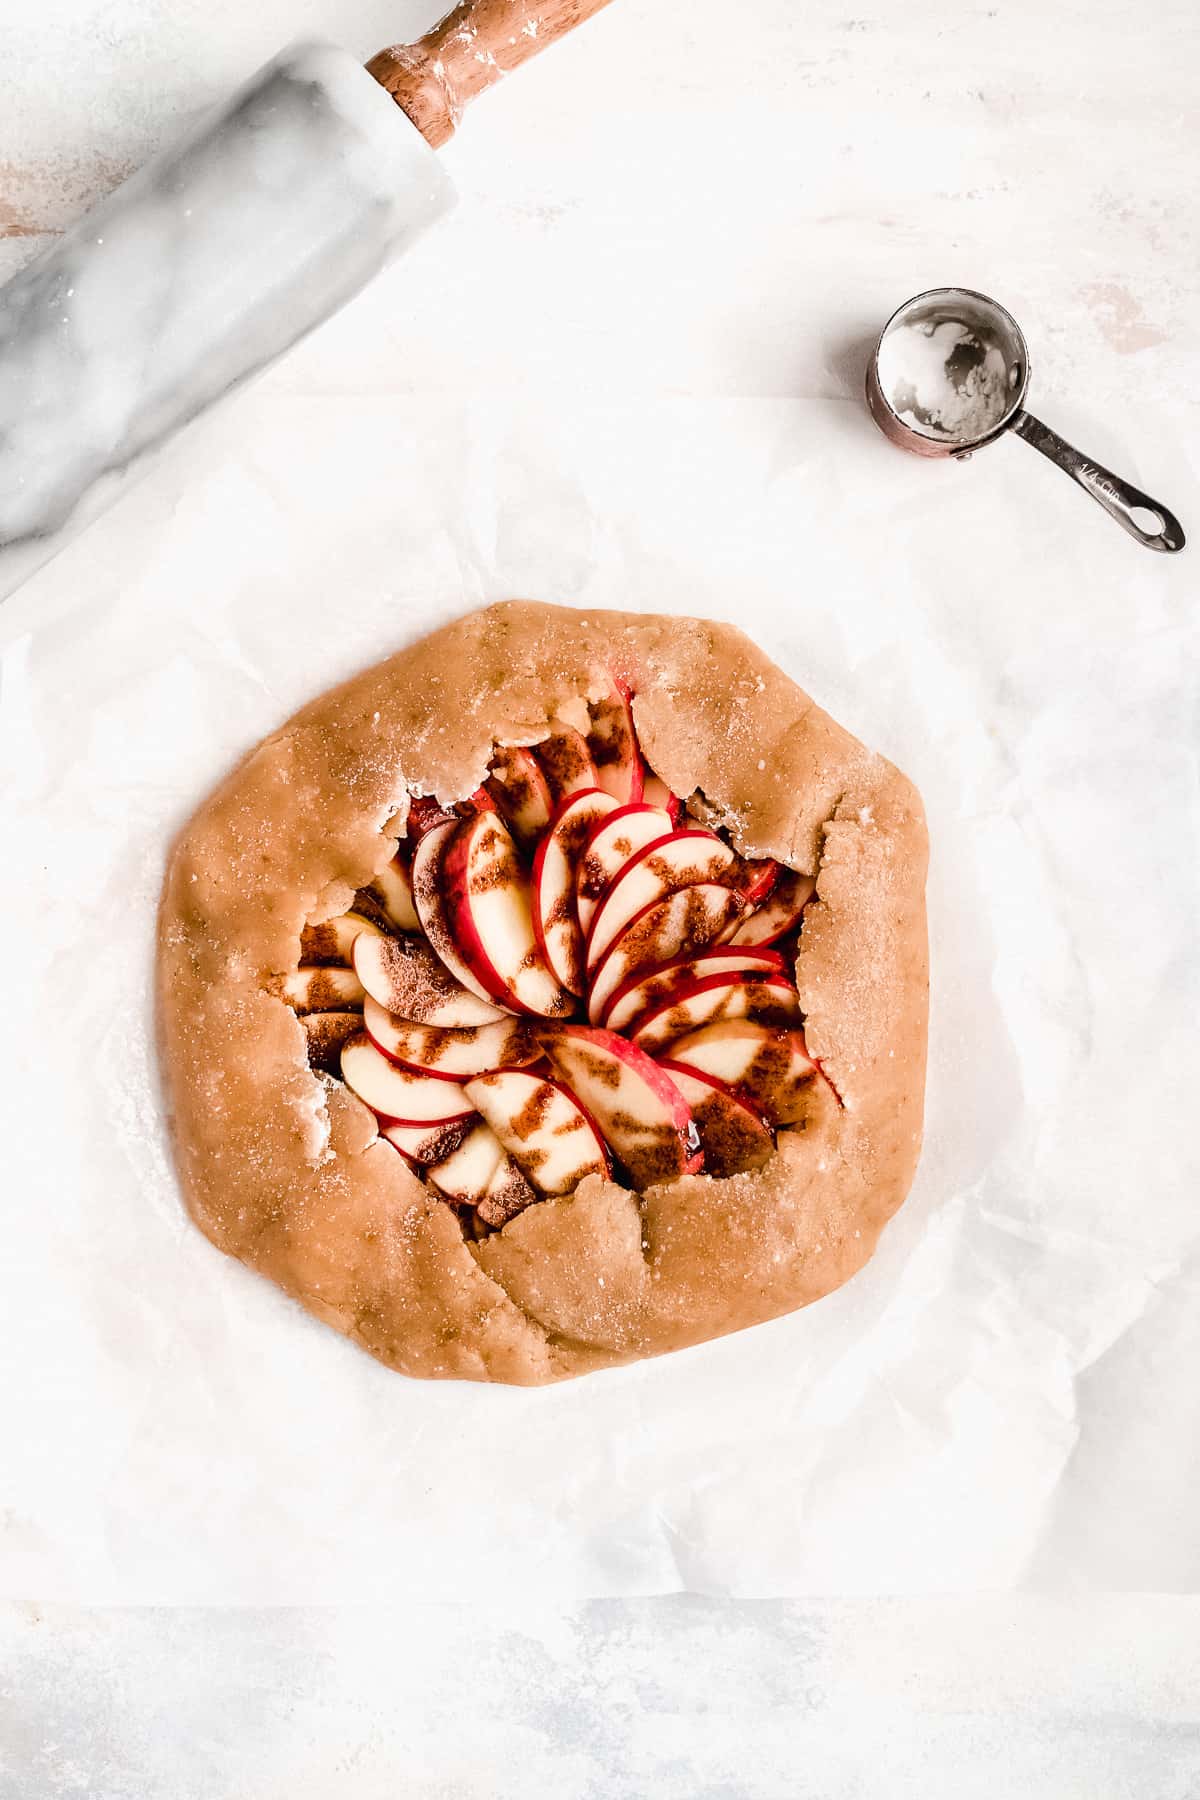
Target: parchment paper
(1007,1395)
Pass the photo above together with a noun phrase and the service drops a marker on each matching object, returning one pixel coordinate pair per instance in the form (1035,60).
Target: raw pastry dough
(284,1168)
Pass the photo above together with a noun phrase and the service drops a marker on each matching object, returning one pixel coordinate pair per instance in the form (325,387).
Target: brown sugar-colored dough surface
(283,1168)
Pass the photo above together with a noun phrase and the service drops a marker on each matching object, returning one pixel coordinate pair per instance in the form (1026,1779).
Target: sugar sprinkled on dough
(285,1169)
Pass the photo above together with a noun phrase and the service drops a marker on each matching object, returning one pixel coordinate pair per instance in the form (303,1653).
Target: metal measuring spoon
(949,375)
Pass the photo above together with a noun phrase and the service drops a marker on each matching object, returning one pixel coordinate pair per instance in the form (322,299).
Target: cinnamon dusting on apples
(571,883)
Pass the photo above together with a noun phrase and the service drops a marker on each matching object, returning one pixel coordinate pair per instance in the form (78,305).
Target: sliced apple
(391,891)
(780,912)
(643,1116)
(406,978)
(634,998)
(466,1170)
(544,1129)
(331,943)
(655,792)
(424,812)
(489,910)
(679,861)
(507,1194)
(322,990)
(770,1067)
(683,924)
(467,1164)
(609,847)
(395,1093)
(733,1135)
(566,762)
(478,802)
(758,880)
(481,1173)
(327,1033)
(555,913)
(613,743)
(429,1144)
(520,790)
(454,1055)
(770,1002)
(429,890)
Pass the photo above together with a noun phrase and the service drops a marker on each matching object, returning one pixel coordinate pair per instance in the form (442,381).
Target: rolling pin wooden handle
(476,45)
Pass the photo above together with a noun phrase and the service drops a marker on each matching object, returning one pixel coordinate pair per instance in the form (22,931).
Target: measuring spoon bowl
(949,375)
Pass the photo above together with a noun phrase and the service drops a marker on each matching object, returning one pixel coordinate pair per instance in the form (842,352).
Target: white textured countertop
(697,215)
(693,197)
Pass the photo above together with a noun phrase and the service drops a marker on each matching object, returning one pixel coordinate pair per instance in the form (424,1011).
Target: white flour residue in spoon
(946,379)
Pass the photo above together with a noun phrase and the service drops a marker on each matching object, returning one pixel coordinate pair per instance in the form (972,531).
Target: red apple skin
(734,1133)
(505,1044)
(456,889)
(614,746)
(566,762)
(429,890)
(406,976)
(716,899)
(696,840)
(763,877)
(775,1068)
(424,812)
(562,779)
(655,792)
(457,1106)
(414,1124)
(470,947)
(772,998)
(646,1067)
(520,792)
(423,1145)
(681,969)
(648,1071)
(537,878)
(592,880)
(619,812)
(550,1081)
(780,912)
(576,808)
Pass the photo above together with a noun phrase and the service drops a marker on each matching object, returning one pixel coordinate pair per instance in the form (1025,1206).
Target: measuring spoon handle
(1117,497)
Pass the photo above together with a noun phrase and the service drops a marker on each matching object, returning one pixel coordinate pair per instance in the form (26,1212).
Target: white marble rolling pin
(228,247)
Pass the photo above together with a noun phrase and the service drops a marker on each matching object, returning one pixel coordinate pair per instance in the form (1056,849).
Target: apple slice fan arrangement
(565,975)
(553,1084)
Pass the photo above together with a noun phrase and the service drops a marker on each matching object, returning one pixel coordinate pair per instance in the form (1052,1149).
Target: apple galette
(550,995)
